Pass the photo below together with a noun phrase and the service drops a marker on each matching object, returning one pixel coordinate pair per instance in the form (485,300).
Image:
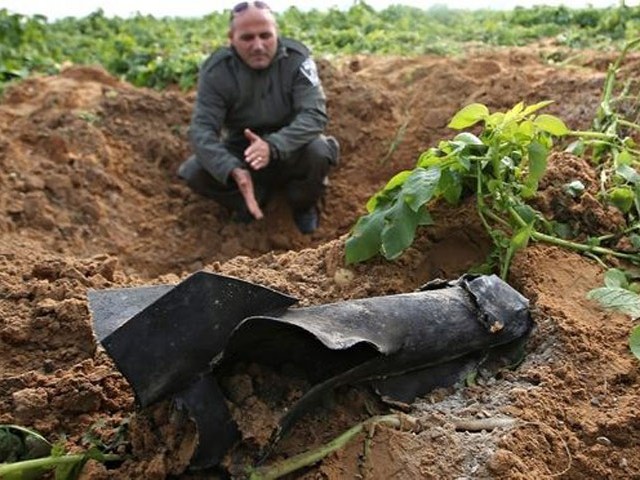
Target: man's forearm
(212,155)
(305,127)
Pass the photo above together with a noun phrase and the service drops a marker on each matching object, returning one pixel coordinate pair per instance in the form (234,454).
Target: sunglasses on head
(242,6)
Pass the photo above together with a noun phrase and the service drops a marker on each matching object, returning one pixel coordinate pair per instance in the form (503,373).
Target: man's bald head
(253,33)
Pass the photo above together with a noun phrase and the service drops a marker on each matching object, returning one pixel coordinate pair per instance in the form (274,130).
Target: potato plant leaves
(615,278)
(617,298)
(503,164)
(552,125)
(469,116)
(395,214)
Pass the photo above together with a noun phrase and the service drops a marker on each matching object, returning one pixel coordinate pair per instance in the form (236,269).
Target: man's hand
(257,153)
(245,184)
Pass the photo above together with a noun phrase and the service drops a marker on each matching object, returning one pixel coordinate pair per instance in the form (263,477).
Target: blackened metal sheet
(165,346)
(113,307)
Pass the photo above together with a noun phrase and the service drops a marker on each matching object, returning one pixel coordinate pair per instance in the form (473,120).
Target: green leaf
(624,158)
(634,341)
(424,218)
(468,116)
(551,124)
(577,147)
(398,179)
(364,241)
(467,143)
(464,162)
(526,130)
(399,231)
(521,239)
(615,278)
(431,157)
(529,190)
(619,299)
(628,173)
(537,161)
(562,230)
(495,119)
(635,240)
(58,449)
(375,200)
(450,186)
(622,198)
(468,138)
(516,110)
(494,185)
(30,444)
(526,212)
(420,187)
(70,471)
(535,107)
(11,446)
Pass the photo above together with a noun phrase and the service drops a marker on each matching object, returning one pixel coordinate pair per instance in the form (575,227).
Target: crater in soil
(90,199)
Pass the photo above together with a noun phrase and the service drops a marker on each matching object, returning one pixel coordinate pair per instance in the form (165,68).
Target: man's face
(254,36)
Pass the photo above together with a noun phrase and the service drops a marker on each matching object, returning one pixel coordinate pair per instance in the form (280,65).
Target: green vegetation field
(157,52)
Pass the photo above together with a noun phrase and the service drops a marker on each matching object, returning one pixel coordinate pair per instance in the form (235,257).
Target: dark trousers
(301,176)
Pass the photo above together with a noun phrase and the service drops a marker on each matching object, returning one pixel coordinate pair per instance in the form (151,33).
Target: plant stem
(628,124)
(581,247)
(17,468)
(591,134)
(614,235)
(309,458)
(493,216)
(480,205)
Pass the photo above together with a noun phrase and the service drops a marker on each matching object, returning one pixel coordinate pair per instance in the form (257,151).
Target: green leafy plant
(156,52)
(611,145)
(502,165)
(618,159)
(620,293)
(27,455)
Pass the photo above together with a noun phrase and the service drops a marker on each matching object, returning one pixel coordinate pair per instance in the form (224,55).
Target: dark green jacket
(284,104)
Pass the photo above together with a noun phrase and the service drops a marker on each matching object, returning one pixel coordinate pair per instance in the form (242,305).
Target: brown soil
(90,199)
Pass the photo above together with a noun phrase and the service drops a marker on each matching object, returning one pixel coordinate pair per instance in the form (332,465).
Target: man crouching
(258,123)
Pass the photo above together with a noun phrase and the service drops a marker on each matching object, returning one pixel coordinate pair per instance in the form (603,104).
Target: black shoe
(307,221)
(334,146)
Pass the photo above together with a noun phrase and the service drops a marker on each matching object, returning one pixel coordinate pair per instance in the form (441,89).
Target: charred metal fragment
(181,342)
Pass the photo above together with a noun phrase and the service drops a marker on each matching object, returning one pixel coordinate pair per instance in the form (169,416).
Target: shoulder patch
(309,70)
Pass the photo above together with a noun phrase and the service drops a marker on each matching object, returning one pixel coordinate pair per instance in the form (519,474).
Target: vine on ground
(27,455)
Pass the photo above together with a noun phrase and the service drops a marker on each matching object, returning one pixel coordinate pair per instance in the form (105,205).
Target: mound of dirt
(90,199)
